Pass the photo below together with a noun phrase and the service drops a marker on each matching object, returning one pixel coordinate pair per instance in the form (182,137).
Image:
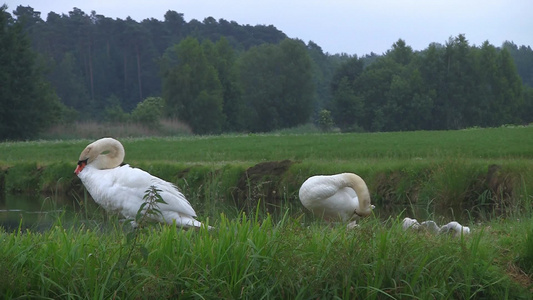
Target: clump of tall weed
(136,252)
(526,256)
(148,209)
(451,184)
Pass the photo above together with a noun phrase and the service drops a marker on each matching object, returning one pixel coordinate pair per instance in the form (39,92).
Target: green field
(496,143)
(448,168)
(265,245)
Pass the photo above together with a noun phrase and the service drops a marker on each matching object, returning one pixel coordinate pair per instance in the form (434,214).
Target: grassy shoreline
(425,169)
(258,258)
(255,254)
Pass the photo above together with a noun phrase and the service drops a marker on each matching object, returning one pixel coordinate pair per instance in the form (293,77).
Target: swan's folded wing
(138,181)
(175,200)
(319,187)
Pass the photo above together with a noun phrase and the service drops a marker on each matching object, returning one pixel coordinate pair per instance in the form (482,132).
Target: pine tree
(27,103)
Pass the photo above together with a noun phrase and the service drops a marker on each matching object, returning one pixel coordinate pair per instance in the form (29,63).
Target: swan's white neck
(359,186)
(106,153)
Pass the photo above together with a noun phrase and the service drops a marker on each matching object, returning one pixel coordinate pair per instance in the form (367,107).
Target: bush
(149,112)
(113,112)
(325,121)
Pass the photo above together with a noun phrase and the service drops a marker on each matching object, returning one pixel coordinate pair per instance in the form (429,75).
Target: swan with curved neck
(106,153)
(336,197)
(122,188)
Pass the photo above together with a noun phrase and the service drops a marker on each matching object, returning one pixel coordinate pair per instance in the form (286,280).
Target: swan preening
(340,197)
(122,188)
(453,228)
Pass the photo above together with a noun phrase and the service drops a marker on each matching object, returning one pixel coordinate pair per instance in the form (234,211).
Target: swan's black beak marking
(81,165)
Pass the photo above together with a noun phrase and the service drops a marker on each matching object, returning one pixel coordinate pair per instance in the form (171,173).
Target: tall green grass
(258,258)
(255,255)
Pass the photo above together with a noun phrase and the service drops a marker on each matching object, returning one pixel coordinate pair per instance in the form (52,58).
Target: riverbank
(266,245)
(251,257)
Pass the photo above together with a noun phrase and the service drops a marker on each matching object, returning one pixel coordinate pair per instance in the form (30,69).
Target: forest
(218,76)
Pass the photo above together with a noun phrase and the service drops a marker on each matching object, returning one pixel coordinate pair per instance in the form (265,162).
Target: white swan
(409,223)
(122,188)
(453,227)
(340,197)
(430,226)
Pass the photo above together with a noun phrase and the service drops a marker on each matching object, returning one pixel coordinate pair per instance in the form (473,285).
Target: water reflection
(33,211)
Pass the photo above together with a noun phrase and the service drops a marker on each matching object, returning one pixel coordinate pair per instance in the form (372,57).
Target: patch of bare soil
(261,184)
(519,276)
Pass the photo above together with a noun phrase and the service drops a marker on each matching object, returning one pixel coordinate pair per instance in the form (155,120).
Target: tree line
(449,86)
(219,76)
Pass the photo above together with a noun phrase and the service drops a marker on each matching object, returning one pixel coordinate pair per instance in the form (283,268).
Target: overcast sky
(338,26)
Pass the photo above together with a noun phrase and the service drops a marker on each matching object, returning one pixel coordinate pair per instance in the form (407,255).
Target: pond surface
(34,211)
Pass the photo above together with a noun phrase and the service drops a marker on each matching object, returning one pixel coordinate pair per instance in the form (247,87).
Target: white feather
(121,189)
(453,228)
(336,197)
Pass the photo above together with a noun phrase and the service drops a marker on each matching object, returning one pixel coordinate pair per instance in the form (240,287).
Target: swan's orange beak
(81,165)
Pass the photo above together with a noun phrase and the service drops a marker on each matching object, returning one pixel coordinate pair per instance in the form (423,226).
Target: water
(34,211)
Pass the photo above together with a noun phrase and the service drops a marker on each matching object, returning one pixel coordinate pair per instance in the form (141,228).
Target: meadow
(265,245)
(494,143)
